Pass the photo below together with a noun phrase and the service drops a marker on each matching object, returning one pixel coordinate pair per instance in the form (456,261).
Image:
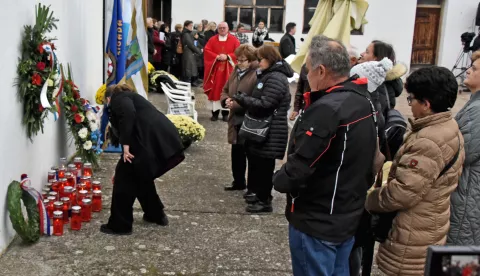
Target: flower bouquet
(82,122)
(100,95)
(38,73)
(189,130)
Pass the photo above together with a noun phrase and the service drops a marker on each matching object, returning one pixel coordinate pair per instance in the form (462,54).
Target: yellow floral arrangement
(189,130)
(150,68)
(100,95)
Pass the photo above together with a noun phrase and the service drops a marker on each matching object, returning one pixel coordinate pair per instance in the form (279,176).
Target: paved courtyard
(209,232)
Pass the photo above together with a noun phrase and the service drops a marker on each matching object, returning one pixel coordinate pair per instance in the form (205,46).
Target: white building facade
(393,21)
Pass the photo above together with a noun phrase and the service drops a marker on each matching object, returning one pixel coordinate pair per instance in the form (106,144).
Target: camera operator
(476,44)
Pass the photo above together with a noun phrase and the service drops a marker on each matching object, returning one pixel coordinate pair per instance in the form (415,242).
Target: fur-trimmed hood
(398,71)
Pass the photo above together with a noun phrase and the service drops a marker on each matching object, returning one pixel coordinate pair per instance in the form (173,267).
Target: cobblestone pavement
(209,232)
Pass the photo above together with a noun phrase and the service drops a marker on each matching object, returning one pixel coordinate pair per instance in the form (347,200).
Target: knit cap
(374,71)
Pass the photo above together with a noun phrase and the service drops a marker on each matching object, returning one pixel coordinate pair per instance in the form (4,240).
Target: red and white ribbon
(45,227)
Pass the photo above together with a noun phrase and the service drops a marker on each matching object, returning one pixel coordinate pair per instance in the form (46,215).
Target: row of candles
(70,196)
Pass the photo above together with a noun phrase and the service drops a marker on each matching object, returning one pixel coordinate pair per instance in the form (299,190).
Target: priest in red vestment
(219,60)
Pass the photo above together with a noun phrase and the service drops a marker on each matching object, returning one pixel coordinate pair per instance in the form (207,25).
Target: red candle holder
(96,185)
(61,185)
(46,189)
(51,200)
(78,162)
(63,162)
(87,180)
(55,169)
(82,194)
(65,209)
(73,197)
(97,201)
(54,185)
(70,179)
(61,173)
(86,210)
(53,194)
(67,191)
(76,223)
(87,169)
(58,206)
(44,195)
(58,223)
(52,175)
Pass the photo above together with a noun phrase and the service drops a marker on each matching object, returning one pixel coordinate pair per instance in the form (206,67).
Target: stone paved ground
(209,232)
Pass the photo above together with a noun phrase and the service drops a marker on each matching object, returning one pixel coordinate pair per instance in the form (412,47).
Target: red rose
(40,108)
(41,66)
(36,79)
(78,118)
(53,46)
(82,100)
(74,108)
(75,94)
(40,48)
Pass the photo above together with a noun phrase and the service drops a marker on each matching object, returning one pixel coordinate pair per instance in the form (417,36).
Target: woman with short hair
(243,79)
(423,175)
(270,97)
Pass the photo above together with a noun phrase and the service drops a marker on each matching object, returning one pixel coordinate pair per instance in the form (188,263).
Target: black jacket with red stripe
(330,162)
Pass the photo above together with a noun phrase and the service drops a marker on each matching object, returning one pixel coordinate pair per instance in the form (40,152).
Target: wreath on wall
(82,121)
(38,73)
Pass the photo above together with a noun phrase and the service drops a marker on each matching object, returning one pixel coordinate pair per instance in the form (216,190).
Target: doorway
(161,10)
(426,34)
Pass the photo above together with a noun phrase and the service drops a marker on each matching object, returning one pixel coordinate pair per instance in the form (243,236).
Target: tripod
(461,66)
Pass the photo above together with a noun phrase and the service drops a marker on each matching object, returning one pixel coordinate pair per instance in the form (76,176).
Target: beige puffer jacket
(420,197)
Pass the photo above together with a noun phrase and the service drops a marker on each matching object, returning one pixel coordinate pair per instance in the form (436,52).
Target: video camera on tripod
(467,38)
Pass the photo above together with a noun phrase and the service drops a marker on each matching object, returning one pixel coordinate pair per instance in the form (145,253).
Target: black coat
(330,162)
(189,60)
(272,93)
(151,46)
(208,34)
(153,139)
(302,87)
(168,51)
(287,45)
(395,89)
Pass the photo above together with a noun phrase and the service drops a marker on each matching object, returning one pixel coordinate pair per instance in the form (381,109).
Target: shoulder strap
(452,162)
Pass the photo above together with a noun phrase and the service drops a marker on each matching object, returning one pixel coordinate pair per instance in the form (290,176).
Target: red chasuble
(217,72)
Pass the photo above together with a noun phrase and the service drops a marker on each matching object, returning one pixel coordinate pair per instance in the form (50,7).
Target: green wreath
(28,231)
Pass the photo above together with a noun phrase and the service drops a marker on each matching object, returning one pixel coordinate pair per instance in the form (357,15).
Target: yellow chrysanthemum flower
(150,68)
(187,127)
(100,95)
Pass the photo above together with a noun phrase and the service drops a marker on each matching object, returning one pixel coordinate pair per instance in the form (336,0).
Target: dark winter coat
(189,61)
(201,45)
(287,45)
(153,139)
(465,211)
(271,96)
(330,162)
(236,83)
(302,87)
(208,34)
(168,51)
(394,83)
(151,46)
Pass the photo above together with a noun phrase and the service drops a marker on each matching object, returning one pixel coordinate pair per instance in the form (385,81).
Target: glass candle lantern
(63,162)
(45,203)
(81,195)
(78,162)
(66,209)
(73,197)
(61,185)
(70,179)
(53,194)
(86,209)
(61,172)
(55,169)
(76,223)
(97,201)
(44,194)
(46,189)
(88,182)
(51,200)
(58,223)
(58,206)
(96,185)
(52,175)
(67,192)
(54,185)
(87,169)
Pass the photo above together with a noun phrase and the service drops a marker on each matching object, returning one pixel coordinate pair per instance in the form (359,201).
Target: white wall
(80,42)
(460,15)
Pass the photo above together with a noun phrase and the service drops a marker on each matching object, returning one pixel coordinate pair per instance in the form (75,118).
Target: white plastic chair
(179,102)
(183,85)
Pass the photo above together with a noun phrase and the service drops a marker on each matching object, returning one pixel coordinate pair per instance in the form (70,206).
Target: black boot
(248,193)
(163,221)
(107,230)
(260,207)
(215,115)
(251,198)
(235,187)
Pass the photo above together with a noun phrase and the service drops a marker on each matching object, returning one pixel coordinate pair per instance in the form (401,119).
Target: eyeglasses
(409,99)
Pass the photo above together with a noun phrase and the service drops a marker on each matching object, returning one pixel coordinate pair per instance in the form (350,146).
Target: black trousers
(239,164)
(128,187)
(260,174)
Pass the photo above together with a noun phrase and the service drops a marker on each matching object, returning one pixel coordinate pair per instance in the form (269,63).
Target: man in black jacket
(287,43)
(330,163)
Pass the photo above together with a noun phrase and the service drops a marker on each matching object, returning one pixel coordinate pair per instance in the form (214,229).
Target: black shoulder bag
(381,224)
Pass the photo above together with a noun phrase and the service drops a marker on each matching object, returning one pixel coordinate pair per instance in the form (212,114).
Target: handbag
(381,224)
(256,129)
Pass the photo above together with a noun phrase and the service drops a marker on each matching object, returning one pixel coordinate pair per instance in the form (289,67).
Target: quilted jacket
(465,209)
(420,197)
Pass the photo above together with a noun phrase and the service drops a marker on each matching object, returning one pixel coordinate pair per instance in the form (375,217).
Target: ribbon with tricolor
(45,227)
(43,94)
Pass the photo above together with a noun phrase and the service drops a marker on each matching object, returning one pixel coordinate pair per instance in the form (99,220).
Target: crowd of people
(344,109)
